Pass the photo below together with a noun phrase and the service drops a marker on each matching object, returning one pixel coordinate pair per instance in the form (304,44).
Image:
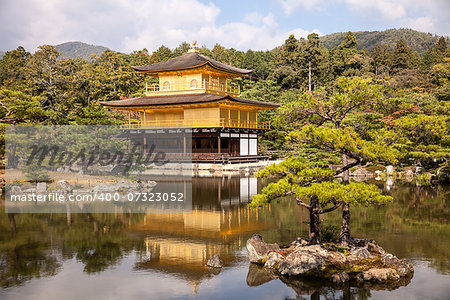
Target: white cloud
(425,24)
(127,25)
(253,18)
(428,16)
(289,6)
(389,9)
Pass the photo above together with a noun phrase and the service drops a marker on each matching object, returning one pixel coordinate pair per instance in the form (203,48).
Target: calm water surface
(162,256)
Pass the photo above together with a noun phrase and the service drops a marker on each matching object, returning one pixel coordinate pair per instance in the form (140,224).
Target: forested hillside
(79,49)
(418,41)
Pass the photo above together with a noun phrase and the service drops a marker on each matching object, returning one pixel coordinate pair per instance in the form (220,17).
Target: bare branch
(335,206)
(300,202)
(349,166)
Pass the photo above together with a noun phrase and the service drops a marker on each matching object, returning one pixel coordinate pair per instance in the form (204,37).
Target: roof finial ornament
(194,47)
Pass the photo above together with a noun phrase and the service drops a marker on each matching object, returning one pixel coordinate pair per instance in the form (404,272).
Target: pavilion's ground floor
(217,145)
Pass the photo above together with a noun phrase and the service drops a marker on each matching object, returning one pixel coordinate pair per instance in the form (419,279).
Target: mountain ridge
(79,49)
(418,41)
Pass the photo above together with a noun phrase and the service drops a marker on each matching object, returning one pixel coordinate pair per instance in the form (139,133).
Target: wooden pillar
(248,119)
(145,118)
(129,118)
(239,118)
(184,143)
(218,144)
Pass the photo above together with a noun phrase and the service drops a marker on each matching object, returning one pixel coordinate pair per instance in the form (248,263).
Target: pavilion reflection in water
(220,222)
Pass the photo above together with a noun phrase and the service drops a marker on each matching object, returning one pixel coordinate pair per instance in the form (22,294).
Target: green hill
(418,41)
(79,49)
(1,54)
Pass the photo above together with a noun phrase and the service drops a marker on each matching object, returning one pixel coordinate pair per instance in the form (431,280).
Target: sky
(127,25)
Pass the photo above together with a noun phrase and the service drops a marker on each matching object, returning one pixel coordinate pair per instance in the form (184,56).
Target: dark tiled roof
(188,61)
(183,99)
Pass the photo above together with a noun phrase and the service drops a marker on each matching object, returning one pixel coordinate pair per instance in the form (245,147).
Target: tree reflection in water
(37,245)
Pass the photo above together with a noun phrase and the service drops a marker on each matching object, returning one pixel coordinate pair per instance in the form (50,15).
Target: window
(166,86)
(193,83)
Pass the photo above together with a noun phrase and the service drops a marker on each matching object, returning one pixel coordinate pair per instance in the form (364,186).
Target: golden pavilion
(195,93)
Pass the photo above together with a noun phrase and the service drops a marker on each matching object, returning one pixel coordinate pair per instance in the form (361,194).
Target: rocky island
(360,261)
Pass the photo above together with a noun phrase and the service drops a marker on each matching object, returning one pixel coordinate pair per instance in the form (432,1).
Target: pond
(163,256)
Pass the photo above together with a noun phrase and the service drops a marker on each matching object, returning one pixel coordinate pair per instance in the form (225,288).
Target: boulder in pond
(215,261)
(273,259)
(379,274)
(258,249)
(361,252)
(309,259)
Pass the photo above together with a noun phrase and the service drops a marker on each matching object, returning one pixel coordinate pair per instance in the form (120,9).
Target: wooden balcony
(211,123)
(200,87)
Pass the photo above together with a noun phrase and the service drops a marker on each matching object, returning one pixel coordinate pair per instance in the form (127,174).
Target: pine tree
(314,59)
(345,58)
(316,187)
(381,56)
(441,45)
(401,56)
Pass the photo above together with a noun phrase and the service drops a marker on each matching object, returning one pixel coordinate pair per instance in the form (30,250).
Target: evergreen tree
(381,56)
(286,66)
(401,56)
(313,186)
(219,53)
(12,69)
(349,41)
(345,58)
(181,49)
(44,74)
(313,56)
(290,51)
(163,53)
(441,45)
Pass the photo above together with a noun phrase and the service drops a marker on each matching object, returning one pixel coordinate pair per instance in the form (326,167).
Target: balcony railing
(205,85)
(197,124)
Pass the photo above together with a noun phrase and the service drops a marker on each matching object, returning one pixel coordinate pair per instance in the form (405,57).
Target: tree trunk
(314,222)
(344,236)
(345,174)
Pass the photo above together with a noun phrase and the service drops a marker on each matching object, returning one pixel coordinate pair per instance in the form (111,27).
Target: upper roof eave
(190,60)
(168,100)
